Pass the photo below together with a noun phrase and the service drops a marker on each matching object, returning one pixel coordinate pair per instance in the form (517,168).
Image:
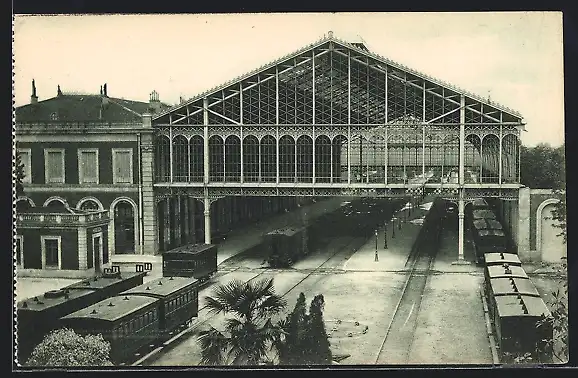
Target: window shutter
(89,166)
(55,169)
(123,166)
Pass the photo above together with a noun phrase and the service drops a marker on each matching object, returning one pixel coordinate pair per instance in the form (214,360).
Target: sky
(515,58)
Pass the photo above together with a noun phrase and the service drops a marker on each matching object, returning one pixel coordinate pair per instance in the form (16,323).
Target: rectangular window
(51,252)
(122,166)
(26,159)
(88,166)
(54,165)
(19,249)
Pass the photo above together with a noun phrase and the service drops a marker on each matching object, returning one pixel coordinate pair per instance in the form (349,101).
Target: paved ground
(451,326)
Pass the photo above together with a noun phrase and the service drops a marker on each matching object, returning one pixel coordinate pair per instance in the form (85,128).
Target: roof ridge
(124,107)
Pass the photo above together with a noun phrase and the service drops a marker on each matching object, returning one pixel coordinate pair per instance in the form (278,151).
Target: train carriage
(487,241)
(286,245)
(109,284)
(178,300)
(507,286)
(501,258)
(483,214)
(518,326)
(39,315)
(128,323)
(198,261)
(480,204)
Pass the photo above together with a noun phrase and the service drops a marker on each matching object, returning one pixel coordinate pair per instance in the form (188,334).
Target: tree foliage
(306,341)
(543,167)
(66,348)
(249,333)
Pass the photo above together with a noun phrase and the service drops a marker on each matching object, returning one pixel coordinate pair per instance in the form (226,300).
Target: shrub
(64,347)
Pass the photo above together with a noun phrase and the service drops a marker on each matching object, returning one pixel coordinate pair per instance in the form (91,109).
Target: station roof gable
(367,87)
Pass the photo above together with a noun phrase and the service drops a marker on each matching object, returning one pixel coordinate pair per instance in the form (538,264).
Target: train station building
(331,119)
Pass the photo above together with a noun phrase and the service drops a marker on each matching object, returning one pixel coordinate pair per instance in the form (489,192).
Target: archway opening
(124,230)
(89,205)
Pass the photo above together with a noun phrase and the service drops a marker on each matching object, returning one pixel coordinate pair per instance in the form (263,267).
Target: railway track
(397,342)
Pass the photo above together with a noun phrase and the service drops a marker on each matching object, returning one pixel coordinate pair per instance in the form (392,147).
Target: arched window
(180,159)
(268,159)
(339,153)
(232,159)
(286,159)
(322,158)
(89,205)
(162,158)
(251,159)
(55,203)
(197,159)
(510,158)
(216,159)
(304,159)
(490,155)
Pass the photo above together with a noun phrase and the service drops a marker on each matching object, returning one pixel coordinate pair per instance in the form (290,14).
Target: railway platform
(399,241)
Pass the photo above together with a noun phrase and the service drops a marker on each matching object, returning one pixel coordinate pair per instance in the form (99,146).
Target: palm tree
(249,333)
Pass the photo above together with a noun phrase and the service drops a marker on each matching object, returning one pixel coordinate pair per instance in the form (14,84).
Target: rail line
(398,338)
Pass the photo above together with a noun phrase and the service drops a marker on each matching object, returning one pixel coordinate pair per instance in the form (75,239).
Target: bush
(64,347)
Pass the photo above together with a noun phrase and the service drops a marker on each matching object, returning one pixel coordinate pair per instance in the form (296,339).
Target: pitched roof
(359,47)
(83,107)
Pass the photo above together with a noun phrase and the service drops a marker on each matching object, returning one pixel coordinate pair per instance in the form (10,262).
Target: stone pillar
(524,223)
(149,214)
(207,212)
(461,227)
(82,250)
(186,220)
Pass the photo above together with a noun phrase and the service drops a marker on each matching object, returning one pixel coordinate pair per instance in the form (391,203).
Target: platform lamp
(384,235)
(376,255)
(393,228)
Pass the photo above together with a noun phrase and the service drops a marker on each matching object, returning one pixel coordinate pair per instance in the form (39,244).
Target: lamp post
(385,235)
(393,228)
(376,256)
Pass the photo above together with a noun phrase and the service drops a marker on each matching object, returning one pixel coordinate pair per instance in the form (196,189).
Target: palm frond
(271,305)
(213,345)
(226,297)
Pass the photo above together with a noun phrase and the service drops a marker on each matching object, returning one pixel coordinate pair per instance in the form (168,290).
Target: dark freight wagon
(520,326)
(286,245)
(194,260)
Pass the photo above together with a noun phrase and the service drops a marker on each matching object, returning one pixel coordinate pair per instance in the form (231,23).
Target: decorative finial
(58,91)
(330,34)
(33,88)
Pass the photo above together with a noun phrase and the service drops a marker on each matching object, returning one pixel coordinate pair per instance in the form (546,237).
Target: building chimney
(154,102)
(59,92)
(104,97)
(33,97)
